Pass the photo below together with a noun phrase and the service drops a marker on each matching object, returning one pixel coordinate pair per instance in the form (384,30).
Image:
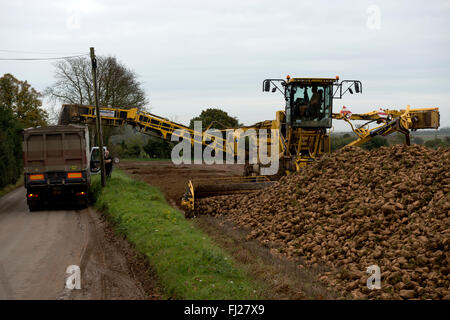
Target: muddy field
(388,207)
(172,179)
(283,277)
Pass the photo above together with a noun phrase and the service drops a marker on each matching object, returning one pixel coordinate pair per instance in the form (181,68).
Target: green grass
(11,187)
(187,262)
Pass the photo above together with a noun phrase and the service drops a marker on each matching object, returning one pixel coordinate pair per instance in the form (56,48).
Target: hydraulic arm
(391,121)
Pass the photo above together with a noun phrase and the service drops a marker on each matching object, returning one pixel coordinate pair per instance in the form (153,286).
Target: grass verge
(188,263)
(11,187)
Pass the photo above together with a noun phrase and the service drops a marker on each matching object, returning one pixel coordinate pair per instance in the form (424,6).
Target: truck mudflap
(42,196)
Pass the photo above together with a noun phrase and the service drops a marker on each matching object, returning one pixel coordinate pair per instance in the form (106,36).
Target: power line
(40,52)
(52,58)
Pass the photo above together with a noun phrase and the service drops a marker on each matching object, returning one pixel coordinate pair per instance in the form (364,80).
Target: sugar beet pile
(355,208)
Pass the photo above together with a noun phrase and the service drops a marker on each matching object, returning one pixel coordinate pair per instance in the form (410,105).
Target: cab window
(310,105)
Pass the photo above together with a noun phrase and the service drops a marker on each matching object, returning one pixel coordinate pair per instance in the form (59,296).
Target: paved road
(37,247)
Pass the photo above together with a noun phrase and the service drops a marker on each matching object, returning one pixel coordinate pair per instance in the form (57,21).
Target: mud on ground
(37,247)
(112,268)
(172,179)
(284,279)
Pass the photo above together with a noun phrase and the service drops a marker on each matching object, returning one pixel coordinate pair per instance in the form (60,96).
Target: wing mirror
(357,87)
(95,168)
(267,86)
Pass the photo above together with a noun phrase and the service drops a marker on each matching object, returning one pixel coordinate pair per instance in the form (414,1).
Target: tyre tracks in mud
(37,247)
(107,265)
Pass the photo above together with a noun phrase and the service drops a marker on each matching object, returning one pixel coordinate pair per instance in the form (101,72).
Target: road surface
(37,247)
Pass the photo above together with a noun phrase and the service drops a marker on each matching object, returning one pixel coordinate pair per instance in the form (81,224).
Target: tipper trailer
(56,165)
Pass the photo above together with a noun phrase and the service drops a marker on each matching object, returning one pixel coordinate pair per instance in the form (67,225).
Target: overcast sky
(191,55)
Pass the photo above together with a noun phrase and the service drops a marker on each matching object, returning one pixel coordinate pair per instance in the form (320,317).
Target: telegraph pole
(98,118)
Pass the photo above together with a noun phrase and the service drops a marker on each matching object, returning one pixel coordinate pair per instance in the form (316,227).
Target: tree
(219,119)
(338,141)
(118,86)
(396,138)
(436,143)
(10,147)
(158,148)
(418,140)
(375,142)
(23,101)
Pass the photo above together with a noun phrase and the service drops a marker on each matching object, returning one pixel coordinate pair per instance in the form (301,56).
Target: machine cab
(309,102)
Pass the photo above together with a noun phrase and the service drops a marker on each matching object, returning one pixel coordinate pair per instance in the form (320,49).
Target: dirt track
(37,247)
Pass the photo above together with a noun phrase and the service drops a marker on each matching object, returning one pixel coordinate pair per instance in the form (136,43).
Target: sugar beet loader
(302,130)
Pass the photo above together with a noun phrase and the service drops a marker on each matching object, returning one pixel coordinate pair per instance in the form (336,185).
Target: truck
(56,165)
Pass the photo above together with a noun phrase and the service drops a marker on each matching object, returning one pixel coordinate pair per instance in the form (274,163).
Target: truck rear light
(35,177)
(32,195)
(74,175)
(82,193)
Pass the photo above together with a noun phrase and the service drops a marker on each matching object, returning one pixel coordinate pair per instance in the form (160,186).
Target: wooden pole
(98,118)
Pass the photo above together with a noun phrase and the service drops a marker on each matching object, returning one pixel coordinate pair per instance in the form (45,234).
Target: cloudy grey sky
(195,54)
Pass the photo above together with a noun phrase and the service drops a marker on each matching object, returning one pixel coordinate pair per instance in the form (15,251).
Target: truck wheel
(86,202)
(33,207)
(83,203)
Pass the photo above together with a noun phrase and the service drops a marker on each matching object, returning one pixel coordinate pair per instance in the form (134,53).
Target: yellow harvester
(302,130)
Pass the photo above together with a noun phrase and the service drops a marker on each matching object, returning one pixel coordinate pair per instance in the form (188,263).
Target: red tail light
(82,193)
(33,195)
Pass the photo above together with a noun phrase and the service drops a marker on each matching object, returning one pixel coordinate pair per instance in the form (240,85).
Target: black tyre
(33,207)
(83,203)
(86,202)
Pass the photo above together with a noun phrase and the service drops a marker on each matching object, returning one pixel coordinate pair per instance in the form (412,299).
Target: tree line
(340,140)
(20,108)
(118,87)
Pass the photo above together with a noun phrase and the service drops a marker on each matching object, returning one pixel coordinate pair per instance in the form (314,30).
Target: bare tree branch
(118,86)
